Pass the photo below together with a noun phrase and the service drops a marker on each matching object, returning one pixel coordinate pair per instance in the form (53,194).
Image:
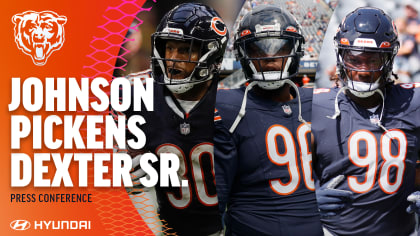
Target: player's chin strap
(300,118)
(382,111)
(242,110)
(243,106)
(337,108)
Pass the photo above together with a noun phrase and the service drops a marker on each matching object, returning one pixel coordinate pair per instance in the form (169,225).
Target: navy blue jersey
(379,166)
(263,169)
(191,210)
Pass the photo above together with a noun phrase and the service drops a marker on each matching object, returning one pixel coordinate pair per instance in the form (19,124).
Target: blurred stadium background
(313,15)
(319,23)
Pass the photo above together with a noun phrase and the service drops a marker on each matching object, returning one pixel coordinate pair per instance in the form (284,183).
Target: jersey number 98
(370,161)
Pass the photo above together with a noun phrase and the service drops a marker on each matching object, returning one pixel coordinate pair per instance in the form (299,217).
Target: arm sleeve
(226,163)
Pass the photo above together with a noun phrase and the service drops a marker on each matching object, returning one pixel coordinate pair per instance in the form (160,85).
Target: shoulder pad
(410,85)
(142,75)
(321,90)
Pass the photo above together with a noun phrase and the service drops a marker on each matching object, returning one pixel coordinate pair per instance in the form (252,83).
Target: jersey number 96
(289,157)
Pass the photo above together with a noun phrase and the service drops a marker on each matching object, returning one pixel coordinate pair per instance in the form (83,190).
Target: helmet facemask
(270,59)
(193,59)
(364,70)
(268,44)
(204,38)
(366,43)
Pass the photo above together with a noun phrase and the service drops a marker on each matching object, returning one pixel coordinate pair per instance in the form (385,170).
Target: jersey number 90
(197,152)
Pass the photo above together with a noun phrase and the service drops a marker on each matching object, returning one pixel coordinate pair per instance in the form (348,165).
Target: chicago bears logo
(38,34)
(218,26)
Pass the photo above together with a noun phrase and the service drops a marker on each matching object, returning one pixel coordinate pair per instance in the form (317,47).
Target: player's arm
(417,182)
(414,198)
(226,162)
(136,172)
(330,200)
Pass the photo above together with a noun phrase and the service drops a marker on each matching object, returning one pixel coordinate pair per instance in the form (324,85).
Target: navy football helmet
(201,27)
(268,33)
(366,41)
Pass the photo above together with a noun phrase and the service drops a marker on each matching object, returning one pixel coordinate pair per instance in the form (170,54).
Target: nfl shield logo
(287,109)
(374,119)
(185,128)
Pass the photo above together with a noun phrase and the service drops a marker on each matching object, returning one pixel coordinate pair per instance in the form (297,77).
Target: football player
(262,141)
(187,51)
(367,134)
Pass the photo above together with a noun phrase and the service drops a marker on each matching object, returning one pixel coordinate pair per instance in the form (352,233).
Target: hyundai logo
(20,225)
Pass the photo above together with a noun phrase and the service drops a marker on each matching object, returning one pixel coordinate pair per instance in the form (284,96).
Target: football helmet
(366,41)
(266,34)
(201,27)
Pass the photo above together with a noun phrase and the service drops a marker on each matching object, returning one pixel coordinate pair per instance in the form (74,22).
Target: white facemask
(269,75)
(178,86)
(362,89)
(264,81)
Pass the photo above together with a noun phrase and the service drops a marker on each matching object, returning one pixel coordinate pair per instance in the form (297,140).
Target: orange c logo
(214,20)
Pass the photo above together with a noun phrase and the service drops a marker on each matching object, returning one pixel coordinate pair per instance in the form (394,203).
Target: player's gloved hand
(136,173)
(331,200)
(414,200)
